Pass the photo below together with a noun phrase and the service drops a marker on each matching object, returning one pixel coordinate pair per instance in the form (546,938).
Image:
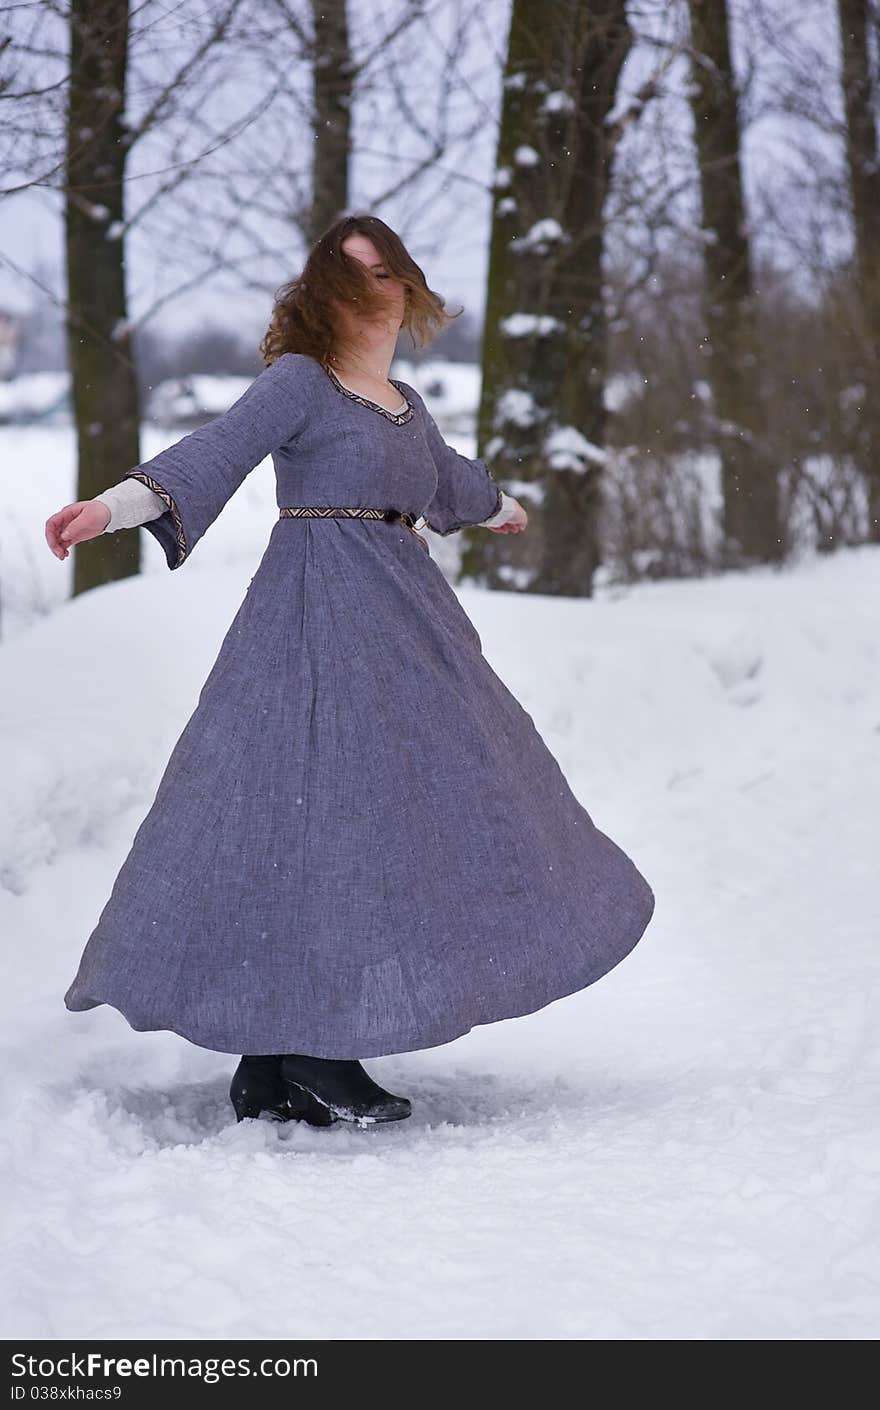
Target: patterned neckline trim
(398,417)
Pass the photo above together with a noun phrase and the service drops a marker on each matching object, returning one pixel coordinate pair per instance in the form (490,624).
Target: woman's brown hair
(303,319)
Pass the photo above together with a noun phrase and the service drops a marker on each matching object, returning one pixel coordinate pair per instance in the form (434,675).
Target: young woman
(360,844)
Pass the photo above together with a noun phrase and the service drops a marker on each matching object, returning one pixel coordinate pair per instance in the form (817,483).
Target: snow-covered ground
(687,1149)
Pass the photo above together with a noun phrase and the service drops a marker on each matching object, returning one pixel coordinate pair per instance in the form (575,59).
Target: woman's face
(360,247)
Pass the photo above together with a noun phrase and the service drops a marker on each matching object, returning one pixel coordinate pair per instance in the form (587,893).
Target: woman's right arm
(196,476)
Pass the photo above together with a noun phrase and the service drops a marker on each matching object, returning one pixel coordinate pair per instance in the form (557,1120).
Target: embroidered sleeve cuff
(167,528)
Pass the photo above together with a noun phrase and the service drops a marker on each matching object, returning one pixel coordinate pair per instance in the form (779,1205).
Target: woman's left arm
(466,493)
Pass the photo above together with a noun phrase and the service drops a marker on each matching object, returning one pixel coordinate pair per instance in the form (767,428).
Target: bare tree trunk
(333,79)
(861,95)
(542,416)
(103,382)
(750,491)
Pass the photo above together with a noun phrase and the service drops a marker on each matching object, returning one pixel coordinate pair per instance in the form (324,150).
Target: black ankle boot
(257,1086)
(342,1088)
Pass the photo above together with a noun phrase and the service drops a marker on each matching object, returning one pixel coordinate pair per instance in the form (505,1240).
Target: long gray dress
(360,844)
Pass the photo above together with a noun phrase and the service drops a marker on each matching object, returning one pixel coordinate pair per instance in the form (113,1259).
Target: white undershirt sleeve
(130,503)
(505,513)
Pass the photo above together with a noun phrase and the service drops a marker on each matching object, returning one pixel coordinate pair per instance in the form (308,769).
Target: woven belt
(316,511)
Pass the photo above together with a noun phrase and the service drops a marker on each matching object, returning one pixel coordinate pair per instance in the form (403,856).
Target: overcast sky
(444,220)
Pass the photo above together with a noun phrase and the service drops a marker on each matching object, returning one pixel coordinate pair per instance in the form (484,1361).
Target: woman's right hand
(75,523)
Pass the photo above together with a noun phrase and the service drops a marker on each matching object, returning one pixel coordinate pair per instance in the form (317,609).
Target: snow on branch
(530,325)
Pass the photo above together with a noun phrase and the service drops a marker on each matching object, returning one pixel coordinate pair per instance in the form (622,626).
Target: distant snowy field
(687,1149)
